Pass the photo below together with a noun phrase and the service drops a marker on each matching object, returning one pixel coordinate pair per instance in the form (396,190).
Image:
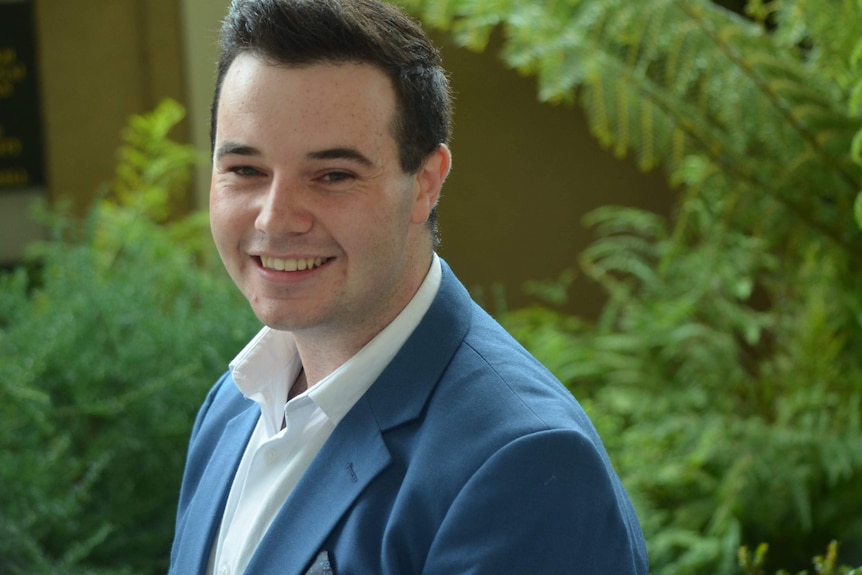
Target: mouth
(292,264)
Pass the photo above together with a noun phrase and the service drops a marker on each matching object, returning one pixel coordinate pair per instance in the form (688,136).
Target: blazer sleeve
(544,503)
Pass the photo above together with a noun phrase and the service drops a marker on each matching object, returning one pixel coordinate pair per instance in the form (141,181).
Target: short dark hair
(302,32)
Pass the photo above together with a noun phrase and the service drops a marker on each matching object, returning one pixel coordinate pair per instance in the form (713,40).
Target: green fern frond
(654,76)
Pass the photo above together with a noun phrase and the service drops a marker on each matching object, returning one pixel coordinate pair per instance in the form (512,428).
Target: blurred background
(660,199)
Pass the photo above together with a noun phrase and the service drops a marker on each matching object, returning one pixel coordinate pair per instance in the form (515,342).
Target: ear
(428,182)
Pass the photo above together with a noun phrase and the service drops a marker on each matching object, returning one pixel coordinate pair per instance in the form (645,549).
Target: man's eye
(245,171)
(336,177)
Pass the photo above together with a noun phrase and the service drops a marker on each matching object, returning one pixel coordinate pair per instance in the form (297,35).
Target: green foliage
(153,171)
(725,372)
(754,563)
(110,337)
(679,81)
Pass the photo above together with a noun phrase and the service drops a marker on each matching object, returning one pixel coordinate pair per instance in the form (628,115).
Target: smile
(292,264)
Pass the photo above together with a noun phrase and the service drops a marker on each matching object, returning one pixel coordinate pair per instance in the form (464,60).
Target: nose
(284,211)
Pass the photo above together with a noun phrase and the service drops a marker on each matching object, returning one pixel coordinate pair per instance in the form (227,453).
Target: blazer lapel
(350,459)
(210,497)
(402,390)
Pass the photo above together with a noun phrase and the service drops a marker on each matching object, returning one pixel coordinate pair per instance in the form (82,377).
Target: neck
(300,385)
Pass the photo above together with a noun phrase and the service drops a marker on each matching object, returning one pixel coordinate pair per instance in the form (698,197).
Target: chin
(279,321)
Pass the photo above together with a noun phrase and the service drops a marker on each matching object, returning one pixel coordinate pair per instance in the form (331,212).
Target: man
(381,422)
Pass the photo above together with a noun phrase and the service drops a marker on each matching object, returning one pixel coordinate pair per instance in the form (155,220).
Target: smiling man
(380,422)
(314,217)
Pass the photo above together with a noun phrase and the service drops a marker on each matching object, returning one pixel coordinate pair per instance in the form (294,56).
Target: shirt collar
(268,365)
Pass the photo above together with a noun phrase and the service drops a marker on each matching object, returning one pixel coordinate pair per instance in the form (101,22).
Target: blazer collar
(356,453)
(423,358)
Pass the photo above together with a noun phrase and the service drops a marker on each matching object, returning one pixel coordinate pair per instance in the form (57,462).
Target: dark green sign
(21,154)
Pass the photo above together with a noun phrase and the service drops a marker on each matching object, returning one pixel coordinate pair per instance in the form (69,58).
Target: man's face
(312,215)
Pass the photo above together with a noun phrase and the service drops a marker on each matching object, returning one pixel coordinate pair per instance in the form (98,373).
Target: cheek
(218,222)
(226,213)
(386,235)
(226,226)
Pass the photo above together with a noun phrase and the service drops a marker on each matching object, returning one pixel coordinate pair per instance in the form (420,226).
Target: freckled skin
(306,166)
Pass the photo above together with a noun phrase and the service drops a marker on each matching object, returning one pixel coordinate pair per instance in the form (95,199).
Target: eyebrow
(341,154)
(235,148)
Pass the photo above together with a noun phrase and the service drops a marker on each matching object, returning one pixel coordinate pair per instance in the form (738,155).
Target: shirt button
(225,570)
(271,456)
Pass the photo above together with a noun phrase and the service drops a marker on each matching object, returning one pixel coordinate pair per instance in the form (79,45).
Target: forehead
(346,100)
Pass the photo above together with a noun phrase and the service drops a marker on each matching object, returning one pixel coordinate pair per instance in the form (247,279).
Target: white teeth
(292,264)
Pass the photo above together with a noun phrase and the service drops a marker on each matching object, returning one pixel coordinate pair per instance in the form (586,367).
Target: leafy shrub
(110,337)
(753,563)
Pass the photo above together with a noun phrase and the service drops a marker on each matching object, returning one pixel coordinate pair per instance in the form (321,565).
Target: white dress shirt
(275,457)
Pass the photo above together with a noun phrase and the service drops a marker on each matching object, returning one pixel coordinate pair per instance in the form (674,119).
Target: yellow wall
(101,61)
(201,20)
(524,173)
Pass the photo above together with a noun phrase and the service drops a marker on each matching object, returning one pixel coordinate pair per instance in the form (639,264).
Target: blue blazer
(465,456)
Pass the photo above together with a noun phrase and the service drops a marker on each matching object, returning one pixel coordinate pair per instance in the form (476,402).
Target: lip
(296,267)
(292,264)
